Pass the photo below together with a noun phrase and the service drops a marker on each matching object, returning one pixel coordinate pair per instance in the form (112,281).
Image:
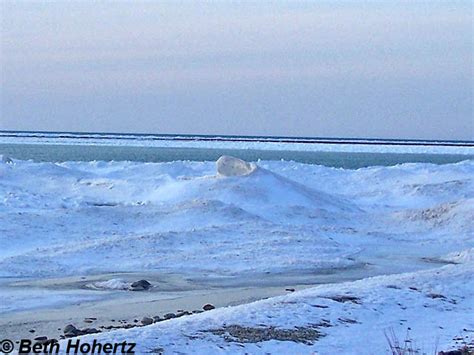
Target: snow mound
(6,160)
(465,256)
(231,166)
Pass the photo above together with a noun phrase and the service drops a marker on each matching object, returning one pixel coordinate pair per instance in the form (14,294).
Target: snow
(5,160)
(431,308)
(164,216)
(397,225)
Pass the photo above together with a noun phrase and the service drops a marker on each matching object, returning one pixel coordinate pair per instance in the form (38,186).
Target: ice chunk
(112,284)
(231,166)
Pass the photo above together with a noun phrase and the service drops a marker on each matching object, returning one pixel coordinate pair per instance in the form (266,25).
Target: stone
(147,321)
(169,316)
(140,285)
(208,307)
(71,331)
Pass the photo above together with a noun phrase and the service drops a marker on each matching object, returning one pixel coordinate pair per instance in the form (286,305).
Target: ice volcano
(256,190)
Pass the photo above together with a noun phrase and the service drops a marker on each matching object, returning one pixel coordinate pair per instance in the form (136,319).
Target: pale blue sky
(393,69)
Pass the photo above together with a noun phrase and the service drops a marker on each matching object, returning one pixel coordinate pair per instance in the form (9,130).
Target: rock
(169,316)
(157,319)
(32,330)
(140,285)
(147,321)
(69,328)
(198,311)
(71,331)
(208,307)
(41,338)
(290,289)
(231,166)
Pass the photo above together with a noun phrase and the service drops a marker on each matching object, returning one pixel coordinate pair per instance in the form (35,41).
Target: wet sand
(169,294)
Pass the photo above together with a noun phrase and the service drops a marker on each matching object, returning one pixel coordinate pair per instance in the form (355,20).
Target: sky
(386,69)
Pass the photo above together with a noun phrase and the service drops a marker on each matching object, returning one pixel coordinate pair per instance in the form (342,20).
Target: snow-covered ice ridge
(235,142)
(74,218)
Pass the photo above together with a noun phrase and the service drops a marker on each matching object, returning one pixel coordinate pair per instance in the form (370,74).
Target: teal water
(61,153)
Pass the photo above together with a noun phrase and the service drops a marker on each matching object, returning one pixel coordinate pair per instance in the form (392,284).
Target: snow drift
(77,218)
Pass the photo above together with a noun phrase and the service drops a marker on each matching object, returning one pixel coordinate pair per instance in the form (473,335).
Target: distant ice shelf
(256,143)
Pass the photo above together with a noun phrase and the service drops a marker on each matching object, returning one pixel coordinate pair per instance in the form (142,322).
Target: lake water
(348,160)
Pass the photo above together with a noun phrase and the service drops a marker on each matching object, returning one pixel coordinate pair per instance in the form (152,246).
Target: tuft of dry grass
(397,347)
(409,347)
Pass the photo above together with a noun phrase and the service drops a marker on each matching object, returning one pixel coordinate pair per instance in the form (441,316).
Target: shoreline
(110,309)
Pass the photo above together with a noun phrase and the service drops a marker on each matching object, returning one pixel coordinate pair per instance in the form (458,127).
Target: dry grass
(403,347)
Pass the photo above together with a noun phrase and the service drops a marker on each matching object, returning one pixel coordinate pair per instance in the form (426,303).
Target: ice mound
(231,166)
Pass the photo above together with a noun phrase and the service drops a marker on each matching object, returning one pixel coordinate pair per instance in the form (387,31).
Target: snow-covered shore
(432,309)
(89,218)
